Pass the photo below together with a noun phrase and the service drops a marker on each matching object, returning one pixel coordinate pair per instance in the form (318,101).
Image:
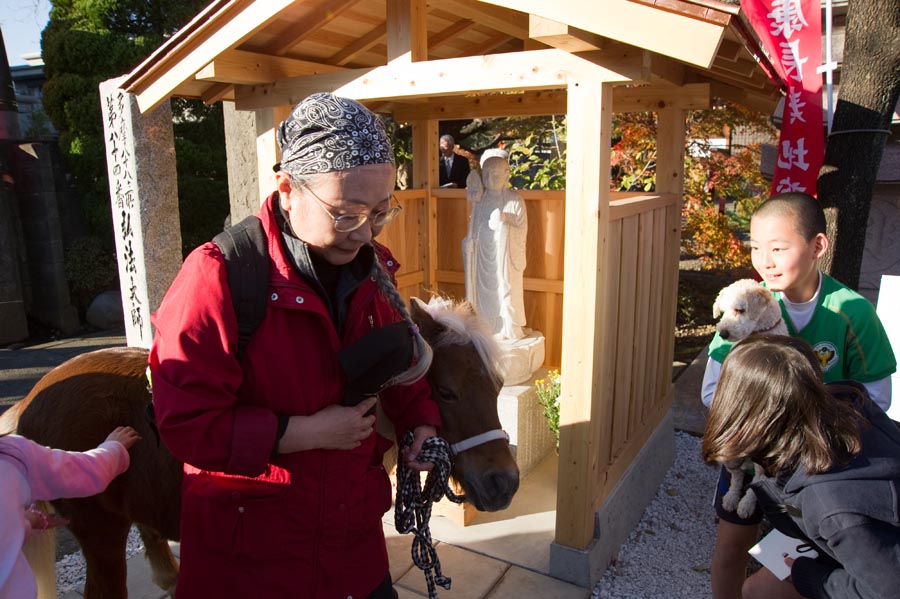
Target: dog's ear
(717,312)
(759,297)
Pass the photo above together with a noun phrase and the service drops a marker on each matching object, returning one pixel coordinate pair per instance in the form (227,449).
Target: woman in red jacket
(284,490)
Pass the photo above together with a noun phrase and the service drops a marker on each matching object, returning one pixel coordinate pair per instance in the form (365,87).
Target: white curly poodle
(747,307)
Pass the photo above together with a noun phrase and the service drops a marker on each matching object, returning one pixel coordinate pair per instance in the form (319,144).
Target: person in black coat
(832,460)
(453,168)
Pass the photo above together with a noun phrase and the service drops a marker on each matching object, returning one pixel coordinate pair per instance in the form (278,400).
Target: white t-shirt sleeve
(880,392)
(710,380)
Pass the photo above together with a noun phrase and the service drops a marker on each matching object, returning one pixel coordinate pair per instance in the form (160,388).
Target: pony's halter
(491,435)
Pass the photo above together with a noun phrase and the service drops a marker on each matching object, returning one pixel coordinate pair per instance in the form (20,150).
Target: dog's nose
(724,334)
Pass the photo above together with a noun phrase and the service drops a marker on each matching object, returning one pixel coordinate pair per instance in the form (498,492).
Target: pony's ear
(466,307)
(429,328)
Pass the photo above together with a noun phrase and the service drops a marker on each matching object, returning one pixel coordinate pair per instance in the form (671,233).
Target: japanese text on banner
(791,33)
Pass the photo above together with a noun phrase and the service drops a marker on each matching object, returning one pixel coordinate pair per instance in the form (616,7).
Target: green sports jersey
(845,333)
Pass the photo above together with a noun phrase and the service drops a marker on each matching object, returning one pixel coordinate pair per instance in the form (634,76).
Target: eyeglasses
(351,222)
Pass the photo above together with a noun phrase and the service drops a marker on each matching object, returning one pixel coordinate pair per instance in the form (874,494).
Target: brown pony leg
(103,536)
(162,562)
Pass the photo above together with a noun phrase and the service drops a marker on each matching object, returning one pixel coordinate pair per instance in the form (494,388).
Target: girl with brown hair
(832,460)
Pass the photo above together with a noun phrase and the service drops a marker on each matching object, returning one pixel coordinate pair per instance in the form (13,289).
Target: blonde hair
(771,405)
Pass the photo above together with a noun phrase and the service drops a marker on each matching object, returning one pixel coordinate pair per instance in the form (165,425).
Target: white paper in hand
(774,547)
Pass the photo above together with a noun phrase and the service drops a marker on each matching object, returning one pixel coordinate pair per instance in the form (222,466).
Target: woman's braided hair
(423,352)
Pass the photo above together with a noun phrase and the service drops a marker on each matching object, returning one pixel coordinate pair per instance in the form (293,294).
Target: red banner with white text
(791,32)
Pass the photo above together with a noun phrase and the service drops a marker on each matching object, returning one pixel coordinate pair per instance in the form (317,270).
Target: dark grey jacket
(850,513)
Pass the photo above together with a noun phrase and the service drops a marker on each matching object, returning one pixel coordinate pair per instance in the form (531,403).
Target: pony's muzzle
(494,489)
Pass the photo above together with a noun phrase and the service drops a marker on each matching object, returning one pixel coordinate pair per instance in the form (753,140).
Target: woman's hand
(334,427)
(420,433)
(125,435)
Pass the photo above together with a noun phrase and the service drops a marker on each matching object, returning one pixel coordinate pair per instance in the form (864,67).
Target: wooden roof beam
(488,45)
(301,30)
(248,68)
(647,98)
(216,92)
(538,69)
(529,103)
(156,78)
(511,22)
(453,30)
(562,36)
(663,69)
(741,68)
(729,50)
(363,44)
(684,38)
(757,101)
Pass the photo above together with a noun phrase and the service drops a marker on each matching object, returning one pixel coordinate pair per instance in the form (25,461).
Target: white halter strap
(497,433)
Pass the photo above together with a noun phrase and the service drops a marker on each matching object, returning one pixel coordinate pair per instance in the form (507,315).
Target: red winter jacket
(305,524)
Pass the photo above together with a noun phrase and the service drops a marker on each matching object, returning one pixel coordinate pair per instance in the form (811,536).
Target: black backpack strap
(246,253)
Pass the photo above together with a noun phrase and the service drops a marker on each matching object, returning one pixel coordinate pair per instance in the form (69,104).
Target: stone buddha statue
(494,259)
(494,249)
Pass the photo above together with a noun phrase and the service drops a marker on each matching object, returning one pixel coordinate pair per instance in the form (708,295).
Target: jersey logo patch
(827,354)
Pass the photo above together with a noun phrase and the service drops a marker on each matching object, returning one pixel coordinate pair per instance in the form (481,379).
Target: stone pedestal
(523,419)
(522,357)
(530,439)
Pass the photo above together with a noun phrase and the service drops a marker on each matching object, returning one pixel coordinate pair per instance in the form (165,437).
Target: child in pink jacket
(31,472)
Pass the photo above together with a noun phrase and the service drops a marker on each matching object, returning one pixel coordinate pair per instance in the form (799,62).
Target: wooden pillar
(670,142)
(407,31)
(425,176)
(585,321)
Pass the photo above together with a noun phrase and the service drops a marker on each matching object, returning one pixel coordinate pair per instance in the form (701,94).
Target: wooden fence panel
(626,342)
(640,290)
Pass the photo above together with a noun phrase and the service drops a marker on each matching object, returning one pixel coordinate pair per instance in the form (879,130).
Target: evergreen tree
(89,41)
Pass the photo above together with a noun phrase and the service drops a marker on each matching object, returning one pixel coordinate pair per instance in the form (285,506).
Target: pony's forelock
(464,326)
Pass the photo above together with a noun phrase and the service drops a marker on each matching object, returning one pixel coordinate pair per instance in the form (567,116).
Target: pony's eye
(447,394)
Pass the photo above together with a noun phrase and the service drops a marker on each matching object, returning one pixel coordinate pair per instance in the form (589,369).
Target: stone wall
(44,217)
(12,301)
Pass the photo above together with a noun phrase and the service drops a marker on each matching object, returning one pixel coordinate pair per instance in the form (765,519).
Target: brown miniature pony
(76,404)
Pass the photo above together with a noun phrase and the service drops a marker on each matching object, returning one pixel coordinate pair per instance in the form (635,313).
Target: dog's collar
(777,322)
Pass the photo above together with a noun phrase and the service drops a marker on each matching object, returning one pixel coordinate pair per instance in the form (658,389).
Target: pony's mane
(464,326)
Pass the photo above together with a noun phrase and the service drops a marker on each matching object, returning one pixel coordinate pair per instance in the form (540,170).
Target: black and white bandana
(327,133)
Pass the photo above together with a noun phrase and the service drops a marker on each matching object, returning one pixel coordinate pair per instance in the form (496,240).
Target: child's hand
(125,435)
(40,520)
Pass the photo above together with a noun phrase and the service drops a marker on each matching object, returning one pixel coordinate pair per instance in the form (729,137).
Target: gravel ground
(667,555)
(70,569)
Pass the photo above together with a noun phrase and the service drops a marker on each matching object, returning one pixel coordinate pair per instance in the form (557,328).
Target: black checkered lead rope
(412,509)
